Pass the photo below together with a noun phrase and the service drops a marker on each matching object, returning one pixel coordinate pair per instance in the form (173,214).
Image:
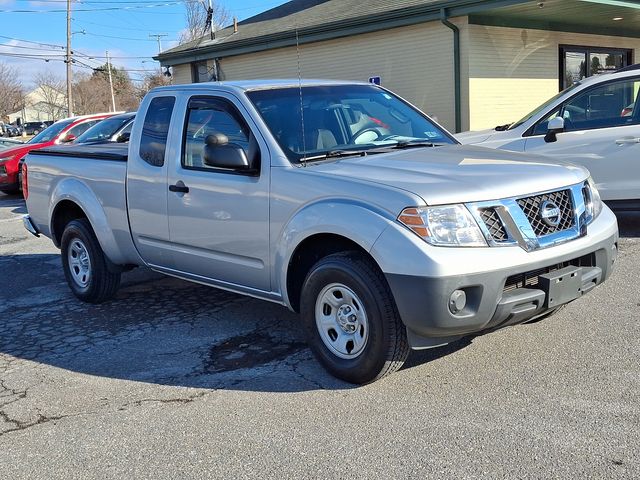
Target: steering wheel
(364,130)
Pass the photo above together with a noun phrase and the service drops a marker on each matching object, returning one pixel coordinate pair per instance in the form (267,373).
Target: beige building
(45,103)
(473,64)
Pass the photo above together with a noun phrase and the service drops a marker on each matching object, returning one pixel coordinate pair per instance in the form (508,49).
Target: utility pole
(158,37)
(68,61)
(210,21)
(113,98)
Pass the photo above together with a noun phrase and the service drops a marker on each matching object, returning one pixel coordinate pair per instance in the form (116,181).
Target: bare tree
(11,91)
(196,13)
(150,81)
(50,95)
(92,94)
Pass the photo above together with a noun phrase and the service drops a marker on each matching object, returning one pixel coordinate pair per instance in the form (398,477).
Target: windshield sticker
(431,134)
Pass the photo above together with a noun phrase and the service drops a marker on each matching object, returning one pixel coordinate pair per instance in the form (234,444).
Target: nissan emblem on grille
(550,213)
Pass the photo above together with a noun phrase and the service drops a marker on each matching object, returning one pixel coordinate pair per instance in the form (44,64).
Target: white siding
(512,70)
(416,62)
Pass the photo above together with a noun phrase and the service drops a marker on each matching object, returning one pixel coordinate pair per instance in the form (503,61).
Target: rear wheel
(85,265)
(350,319)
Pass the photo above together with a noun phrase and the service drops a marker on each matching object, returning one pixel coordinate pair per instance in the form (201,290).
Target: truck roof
(260,84)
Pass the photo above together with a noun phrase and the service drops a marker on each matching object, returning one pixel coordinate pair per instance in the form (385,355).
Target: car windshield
(51,132)
(338,120)
(543,106)
(104,130)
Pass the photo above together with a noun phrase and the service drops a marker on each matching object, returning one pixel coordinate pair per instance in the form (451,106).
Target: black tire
(101,284)
(35,132)
(385,348)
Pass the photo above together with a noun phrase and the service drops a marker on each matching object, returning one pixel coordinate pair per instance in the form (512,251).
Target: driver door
(219,218)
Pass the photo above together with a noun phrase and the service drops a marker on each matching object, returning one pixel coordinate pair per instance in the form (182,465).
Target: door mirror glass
(69,138)
(219,153)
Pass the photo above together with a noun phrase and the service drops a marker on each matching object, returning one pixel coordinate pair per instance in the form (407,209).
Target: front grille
(494,224)
(532,277)
(531,208)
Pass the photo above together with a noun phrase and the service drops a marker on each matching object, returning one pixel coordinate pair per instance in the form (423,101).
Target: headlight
(592,200)
(447,226)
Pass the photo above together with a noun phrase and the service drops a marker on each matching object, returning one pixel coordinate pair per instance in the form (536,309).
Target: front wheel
(350,319)
(85,265)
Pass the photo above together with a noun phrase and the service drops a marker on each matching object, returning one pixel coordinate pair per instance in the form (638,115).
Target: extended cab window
(211,116)
(153,142)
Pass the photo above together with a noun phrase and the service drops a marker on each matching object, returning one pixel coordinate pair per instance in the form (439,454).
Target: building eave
(333,30)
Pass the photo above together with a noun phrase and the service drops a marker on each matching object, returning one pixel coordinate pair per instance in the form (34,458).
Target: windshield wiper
(502,128)
(336,154)
(412,144)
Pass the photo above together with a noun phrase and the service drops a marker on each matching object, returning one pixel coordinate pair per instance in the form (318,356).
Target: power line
(105,9)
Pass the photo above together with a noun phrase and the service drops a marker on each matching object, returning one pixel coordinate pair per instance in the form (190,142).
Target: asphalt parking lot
(177,380)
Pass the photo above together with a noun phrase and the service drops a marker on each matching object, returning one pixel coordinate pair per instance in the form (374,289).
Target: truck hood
(475,137)
(458,173)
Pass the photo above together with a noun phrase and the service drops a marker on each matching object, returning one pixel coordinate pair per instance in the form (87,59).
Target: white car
(594,123)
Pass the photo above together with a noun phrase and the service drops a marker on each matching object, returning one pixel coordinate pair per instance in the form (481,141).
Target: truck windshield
(342,118)
(51,132)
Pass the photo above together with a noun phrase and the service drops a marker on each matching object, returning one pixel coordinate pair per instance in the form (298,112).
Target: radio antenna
(304,142)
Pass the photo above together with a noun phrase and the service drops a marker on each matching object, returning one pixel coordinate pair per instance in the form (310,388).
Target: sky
(37,29)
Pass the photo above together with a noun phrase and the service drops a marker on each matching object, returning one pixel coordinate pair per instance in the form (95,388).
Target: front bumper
(424,301)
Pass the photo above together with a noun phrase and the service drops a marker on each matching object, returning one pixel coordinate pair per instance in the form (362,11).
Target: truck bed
(93,176)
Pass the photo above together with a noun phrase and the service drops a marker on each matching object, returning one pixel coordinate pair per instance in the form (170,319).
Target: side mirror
(123,137)
(555,126)
(68,139)
(219,153)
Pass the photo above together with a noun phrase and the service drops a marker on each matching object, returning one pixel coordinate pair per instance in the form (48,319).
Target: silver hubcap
(79,263)
(341,321)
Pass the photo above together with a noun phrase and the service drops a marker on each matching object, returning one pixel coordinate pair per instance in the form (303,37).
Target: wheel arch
(73,199)
(321,229)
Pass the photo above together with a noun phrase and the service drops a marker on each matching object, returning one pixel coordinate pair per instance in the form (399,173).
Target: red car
(63,131)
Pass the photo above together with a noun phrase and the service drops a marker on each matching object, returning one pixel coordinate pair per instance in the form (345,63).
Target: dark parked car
(34,128)
(112,129)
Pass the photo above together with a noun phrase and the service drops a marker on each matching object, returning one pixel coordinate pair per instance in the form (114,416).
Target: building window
(200,72)
(577,63)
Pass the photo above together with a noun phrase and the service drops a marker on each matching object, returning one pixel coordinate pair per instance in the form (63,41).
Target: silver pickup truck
(340,201)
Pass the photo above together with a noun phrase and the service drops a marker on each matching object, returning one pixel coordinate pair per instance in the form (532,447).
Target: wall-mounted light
(617,19)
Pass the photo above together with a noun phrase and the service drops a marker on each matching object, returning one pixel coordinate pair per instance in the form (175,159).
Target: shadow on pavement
(159,330)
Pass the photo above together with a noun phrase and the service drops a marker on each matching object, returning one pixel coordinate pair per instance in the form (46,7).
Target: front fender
(76,191)
(358,222)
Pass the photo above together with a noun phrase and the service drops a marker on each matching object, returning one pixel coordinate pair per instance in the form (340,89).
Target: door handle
(627,140)
(179,188)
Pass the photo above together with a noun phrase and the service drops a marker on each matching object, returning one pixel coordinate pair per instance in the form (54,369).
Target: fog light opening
(457,301)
